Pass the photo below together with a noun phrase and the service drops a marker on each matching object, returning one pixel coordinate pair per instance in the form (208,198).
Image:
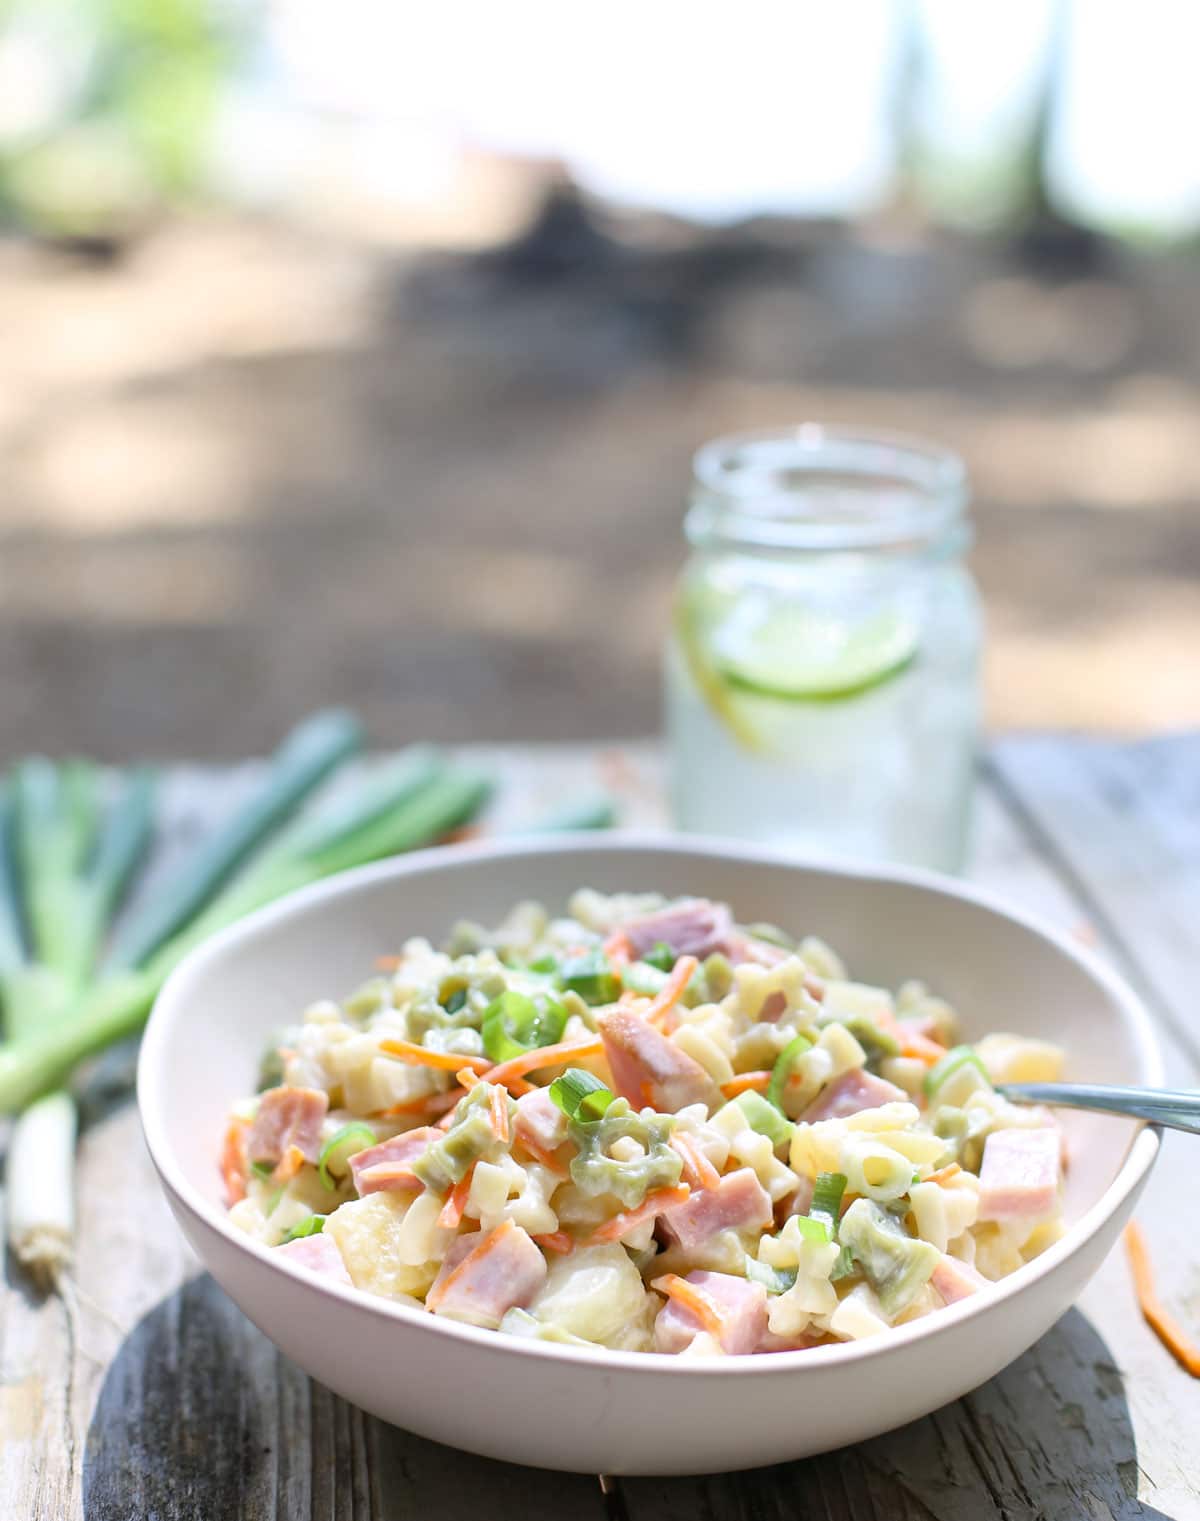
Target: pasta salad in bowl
(640,1183)
(646,1127)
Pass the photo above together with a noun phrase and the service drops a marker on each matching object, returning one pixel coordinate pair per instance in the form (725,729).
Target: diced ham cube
(955,1280)
(691,927)
(850,1093)
(739,1202)
(319,1254)
(287,1117)
(648,1068)
(483,1276)
(541,1120)
(1019,1176)
(798,1202)
(743,1308)
(740,947)
(389,1165)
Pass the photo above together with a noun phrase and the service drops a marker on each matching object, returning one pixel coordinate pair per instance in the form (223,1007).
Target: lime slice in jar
(804,656)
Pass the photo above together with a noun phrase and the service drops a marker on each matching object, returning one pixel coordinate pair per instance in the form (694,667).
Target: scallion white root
(41,1188)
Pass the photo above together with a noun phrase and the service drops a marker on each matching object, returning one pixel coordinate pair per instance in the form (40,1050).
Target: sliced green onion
(581,1095)
(544,965)
(591,976)
(764,1118)
(514,1023)
(782,1070)
(844,1266)
(456,1000)
(262,1170)
(640,977)
(828,1191)
(311,1225)
(954,1059)
(774,1280)
(660,955)
(815,1228)
(340,1147)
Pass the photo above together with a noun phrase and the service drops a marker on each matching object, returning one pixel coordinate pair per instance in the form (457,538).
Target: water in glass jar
(825,700)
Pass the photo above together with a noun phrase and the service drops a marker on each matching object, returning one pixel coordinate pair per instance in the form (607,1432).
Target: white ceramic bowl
(626,1413)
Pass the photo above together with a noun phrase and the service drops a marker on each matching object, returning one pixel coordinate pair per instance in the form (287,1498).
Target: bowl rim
(152,1106)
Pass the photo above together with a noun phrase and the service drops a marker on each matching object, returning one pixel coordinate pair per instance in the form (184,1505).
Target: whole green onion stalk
(66,863)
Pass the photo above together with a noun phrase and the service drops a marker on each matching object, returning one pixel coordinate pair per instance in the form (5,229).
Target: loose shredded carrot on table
(557,1241)
(618,949)
(944,1174)
(487,1245)
(746,1082)
(662,1005)
(498,1112)
(697,1169)
(692,1298)
(653,1204)
(451,1213)
(541,1056)
(233,1163)
(1168,1330)
(421,1056)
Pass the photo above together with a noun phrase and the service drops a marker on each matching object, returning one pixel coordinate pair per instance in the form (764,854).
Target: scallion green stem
(593,811)
(118,1006)
(304,760)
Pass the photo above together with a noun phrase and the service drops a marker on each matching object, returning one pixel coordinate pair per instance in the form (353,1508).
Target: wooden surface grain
(150,1395)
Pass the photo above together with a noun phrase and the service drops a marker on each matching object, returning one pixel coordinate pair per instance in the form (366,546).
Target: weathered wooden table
(155,1398)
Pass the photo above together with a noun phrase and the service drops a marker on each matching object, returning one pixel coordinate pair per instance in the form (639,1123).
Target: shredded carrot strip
(618,949)
(288,1165)
(467,1078)
(697,1169)
(944,1174)
(557,1241)
(428,1103)
(913,1043)
(538,1152)
(387,963)
(653,1204)
(388,1175)
(692,1298)
(460,835)
(662,1005)
(498,1111)
(451,1213)
(421,1056)
(1168,1330)
(746,1082)
(484,1249)
(233,1161)
(542,1056)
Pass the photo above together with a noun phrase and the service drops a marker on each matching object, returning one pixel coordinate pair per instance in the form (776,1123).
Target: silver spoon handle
(1175,1108)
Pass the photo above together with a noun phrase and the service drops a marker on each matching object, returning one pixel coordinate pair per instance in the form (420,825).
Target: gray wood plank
(164,1401)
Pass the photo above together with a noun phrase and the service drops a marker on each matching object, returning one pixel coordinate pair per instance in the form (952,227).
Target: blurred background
(356,352)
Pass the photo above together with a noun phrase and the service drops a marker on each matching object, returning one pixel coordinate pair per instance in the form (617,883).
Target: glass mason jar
(823,670)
